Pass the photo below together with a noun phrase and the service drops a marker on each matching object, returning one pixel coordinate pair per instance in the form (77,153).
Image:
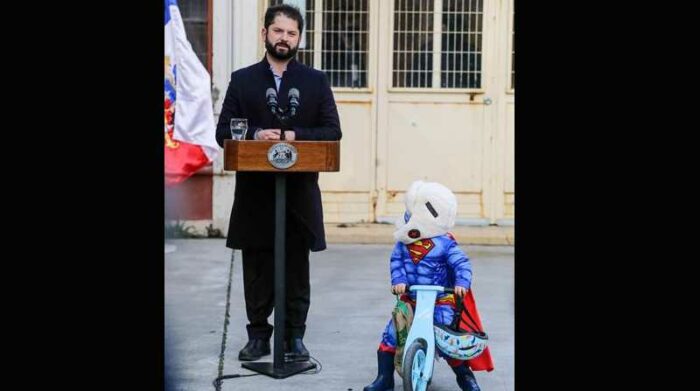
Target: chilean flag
(190,141)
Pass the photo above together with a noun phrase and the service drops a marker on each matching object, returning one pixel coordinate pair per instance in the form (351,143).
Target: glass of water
(239,127)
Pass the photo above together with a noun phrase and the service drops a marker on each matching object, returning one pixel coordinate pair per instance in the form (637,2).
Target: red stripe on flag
(182,161)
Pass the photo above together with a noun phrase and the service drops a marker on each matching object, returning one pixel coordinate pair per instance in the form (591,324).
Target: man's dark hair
(287,10)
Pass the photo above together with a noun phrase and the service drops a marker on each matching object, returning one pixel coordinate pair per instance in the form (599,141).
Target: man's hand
(268,134)
(460,291)
(274,134)
(398,289)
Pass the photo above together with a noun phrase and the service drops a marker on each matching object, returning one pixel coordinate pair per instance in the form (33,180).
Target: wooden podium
(281,157)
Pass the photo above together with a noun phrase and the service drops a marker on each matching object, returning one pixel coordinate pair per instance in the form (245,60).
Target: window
(413,43)
(337,42)
(196,17)
(444,53)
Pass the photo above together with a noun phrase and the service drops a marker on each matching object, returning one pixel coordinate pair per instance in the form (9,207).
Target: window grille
(342,34)
(413,43)
(446,54)
(462,22)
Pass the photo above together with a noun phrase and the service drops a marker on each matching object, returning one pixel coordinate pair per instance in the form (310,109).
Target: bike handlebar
(433,288)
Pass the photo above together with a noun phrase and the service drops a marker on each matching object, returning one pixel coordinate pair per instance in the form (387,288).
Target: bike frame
(422,326)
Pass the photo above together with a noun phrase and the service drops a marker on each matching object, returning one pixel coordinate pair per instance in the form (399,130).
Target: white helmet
(463,345)
(431,209)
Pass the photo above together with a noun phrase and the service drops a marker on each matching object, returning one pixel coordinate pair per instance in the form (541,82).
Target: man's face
(282,38)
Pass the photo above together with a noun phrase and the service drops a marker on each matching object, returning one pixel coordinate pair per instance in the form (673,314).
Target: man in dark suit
(251,227)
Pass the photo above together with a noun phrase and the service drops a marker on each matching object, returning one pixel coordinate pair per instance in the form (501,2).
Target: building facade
(425,90)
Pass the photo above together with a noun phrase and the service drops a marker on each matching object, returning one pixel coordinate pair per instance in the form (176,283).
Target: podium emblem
(282,155)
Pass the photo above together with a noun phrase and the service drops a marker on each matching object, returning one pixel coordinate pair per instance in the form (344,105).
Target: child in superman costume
(427,254)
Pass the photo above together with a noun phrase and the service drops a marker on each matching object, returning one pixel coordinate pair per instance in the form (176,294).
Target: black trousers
(259,288)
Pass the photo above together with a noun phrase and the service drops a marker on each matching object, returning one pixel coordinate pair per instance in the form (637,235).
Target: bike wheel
(413,366)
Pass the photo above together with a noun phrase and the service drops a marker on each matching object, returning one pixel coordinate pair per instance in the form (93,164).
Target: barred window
(337,42)
(196,17)
(461,43)
(446,54)
(413,43)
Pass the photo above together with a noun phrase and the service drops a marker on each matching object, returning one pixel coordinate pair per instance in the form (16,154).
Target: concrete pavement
(350,305)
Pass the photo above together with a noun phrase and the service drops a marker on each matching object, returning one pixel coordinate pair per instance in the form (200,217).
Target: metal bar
(437,42)
(333,35)
(419,38)
(359,36)
(464,16)
(451,39)
(318,39)
(478,37)
(404,55)
(280,293)
(413,42)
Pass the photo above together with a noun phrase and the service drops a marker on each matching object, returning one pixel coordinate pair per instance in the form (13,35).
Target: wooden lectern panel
(251,155)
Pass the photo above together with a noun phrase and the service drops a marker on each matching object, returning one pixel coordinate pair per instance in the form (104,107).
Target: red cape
(483,362)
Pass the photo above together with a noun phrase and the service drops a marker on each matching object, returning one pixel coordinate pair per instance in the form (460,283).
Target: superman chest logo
(419,249)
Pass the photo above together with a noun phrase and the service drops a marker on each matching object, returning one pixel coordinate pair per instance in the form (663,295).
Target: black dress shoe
(254,349)
(294,350)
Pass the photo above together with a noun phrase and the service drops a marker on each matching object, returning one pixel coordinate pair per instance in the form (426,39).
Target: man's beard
(291,51)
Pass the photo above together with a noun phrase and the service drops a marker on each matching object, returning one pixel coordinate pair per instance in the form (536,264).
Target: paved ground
(350,304)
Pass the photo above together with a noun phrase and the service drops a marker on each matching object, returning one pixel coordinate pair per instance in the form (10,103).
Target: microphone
(293,101)
(271,97)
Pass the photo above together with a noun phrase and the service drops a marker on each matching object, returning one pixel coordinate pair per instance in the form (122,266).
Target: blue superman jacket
(434,261)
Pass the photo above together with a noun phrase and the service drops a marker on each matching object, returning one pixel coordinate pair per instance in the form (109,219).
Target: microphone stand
(280,368)
(283,115)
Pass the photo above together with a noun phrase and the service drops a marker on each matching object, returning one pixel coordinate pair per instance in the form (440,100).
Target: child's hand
(398,289)
(460,291)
